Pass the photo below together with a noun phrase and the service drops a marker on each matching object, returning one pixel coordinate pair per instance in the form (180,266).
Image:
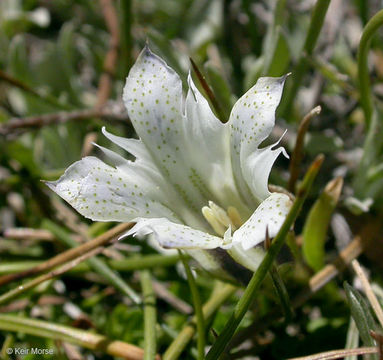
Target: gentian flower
(196,183)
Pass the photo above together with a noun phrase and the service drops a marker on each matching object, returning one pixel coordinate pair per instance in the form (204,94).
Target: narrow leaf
(316,225)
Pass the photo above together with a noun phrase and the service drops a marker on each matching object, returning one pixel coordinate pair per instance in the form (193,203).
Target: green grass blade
(240,310)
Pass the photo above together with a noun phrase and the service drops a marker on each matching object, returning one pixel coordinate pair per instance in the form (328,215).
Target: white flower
(196,183)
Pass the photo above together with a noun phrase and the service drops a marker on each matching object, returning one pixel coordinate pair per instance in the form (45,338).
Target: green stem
(244,303)
(95,263)
(129,264)
(21,289)
(282,294)
(197,308)
(65,333)
(150,316)
(363,75)
(143,262)
(316,23)
(373,139)
(209,308)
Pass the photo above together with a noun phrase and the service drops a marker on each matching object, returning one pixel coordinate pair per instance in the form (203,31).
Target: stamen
(234,217)
(209,215)
(220,214)
(222,221)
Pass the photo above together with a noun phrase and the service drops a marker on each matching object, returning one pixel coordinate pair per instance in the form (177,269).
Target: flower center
(220,220)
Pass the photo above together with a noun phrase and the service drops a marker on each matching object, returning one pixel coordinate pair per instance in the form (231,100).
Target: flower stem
(150,316)
(83,338)
(197,308)
(96,264)
(209,308)
(243,304)
(316,23)
(363,75)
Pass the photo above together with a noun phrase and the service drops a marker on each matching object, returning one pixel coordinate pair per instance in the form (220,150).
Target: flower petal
(172,235)
(249,258)
(145,166)
(105,193)
(153,98)
(208,141)
(251,122)
(257,167)
(270,214)
(193,150)
(133,146)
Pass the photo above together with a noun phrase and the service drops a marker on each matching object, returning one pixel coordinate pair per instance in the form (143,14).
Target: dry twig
(368,290)
(297,155)
(69,254)
(105,82)
(39,121)
(339,354)
(324,276)
(52,274)
(28,234)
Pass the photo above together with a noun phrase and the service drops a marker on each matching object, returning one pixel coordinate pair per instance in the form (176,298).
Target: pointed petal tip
(283,78)
(146,49)
(50,184)
(190,79)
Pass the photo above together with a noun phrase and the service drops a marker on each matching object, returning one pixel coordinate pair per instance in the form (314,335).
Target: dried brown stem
(28,234)
(368,290)
(105,82)
(324,276)
(52,274)
(69,254)
(58,118)
(339,354)
(209,92)
(297,155)
(163,293)
(379,339)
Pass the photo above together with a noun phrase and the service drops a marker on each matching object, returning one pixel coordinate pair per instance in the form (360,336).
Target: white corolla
(196,183)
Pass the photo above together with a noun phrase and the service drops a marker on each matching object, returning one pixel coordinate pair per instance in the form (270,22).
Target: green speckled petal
(257,167)
(105,193)
(251,122)
(209,141)
(270,214)
(172,235)
(145,166)
(153,98)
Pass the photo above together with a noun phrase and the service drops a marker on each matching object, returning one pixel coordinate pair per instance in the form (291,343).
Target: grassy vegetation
(68,287)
